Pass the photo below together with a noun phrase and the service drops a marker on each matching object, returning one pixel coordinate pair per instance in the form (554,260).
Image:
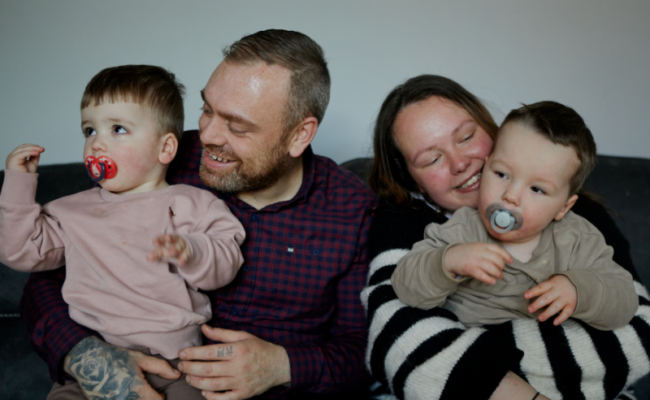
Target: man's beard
(257,174)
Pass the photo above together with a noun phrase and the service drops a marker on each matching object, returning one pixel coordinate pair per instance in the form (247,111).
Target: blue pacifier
(502,219)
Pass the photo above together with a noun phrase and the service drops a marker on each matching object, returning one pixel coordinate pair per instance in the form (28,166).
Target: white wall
(593,55)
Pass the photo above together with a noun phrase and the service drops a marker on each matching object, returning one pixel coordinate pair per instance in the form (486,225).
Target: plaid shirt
(305,265)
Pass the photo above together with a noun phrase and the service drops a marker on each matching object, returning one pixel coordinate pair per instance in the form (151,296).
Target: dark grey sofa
(622,183)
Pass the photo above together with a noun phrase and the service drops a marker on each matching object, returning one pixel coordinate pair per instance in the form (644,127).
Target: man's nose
(213,133)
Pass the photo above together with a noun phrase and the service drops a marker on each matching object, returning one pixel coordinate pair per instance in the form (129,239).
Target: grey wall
(590,54)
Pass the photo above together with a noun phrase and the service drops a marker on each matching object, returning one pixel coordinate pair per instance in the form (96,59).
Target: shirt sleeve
(30,239)
(606,294)
(338,363)
(215,253)
(52,332)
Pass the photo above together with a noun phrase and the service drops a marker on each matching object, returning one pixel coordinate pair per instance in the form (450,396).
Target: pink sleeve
(30,238)
(216,256)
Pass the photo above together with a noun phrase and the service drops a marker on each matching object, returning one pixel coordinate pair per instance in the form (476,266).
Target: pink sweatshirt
(104,238)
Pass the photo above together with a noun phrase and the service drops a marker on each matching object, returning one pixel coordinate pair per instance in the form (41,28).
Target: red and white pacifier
(100,168)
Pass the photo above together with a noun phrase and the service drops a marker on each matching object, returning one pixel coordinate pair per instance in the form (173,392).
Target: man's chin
(223,181)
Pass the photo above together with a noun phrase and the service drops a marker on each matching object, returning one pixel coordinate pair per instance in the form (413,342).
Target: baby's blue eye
(537,190)
(89,132)
(119,130)
(500,174)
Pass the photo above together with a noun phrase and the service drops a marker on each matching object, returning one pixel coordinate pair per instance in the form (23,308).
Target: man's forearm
(103,371)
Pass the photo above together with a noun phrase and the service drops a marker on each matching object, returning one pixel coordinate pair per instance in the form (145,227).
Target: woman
(431,141)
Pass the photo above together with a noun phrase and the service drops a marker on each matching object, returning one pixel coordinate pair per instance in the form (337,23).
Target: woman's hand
(24,158)
(481,261)
(104,371)
(559,294)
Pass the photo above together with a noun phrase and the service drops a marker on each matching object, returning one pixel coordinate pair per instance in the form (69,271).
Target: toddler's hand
(172,246)
(24,158)
(559,294)
(481,261)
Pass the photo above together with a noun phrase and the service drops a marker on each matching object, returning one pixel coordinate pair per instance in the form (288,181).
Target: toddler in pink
(136,249)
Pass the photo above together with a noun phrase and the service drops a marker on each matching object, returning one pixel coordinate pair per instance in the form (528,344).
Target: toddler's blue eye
(89,132)
(537,190)
(500,174)
(119,130)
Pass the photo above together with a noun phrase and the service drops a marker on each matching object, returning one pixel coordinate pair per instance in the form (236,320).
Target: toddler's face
(128,134)
(528,173)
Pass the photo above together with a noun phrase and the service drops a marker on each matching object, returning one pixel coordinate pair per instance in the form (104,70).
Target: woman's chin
(462,199)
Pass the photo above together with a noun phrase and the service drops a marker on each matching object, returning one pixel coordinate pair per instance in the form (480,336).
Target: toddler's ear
(567,206)
(169,148)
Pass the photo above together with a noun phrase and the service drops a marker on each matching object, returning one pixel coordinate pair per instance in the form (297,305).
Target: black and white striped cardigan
(429,354)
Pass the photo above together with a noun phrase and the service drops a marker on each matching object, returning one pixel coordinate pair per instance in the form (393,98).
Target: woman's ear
(567,206)
(302,136)
(169,148)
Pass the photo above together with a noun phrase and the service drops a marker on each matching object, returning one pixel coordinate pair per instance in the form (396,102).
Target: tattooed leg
(103,371)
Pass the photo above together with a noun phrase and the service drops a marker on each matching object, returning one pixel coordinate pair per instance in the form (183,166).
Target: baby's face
(128,134)
(530,174)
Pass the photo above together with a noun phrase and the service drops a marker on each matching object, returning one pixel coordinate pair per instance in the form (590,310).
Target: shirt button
(255,217)
(234,311)
(245,268)
(316,252)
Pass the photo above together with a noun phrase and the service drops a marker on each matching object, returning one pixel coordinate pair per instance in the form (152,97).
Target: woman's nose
(459,163)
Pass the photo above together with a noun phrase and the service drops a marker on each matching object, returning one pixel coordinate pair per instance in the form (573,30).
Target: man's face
(528,173)
(241,127)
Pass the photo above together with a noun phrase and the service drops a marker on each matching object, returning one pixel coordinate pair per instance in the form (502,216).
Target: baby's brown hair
(561,125)
(143,84)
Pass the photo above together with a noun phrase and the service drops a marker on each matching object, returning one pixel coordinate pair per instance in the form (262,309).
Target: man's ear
(567,206)
(169,148)
(302,136)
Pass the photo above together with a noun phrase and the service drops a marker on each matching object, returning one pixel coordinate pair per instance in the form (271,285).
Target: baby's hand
(172,246)
(24,158)
(481,261)
(559,294)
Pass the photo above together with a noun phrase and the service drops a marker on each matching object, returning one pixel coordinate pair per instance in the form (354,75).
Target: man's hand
(105,371)
(243,365)
(481,261)
(24,158)
(172,246)
(559,294)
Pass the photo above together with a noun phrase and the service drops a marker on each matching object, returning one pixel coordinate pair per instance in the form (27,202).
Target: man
(291,322)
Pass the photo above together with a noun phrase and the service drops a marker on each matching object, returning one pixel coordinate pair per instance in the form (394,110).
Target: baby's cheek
(135,162)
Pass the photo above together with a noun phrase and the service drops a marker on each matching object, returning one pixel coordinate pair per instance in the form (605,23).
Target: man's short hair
(147,85)
(561,125)
(309,90)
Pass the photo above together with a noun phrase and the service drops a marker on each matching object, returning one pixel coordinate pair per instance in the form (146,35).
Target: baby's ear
(169,148)
(567,206)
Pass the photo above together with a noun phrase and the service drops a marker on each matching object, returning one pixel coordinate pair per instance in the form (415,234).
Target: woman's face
(444,149)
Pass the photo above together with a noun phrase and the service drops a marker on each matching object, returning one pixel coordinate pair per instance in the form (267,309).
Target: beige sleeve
(419,279)
(606,296)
